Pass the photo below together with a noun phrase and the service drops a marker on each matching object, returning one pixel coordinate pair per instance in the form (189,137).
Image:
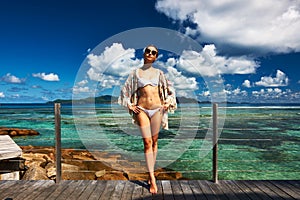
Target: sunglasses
(149,51)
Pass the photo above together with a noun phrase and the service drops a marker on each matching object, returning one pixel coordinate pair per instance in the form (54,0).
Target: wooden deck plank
(108,190)
(70,189)
(198,193)
(61,186)
(127,191)
(256,190)
(267,190)
(231,191)
(291,190)
(4,188)
(276,190)
(119,187)
(177,191)
(23,191)
(38,189)
(99,189)
(137,190)
(187,191)
(160,195)
(91,185)
(44,195)
(217,190)
(20,188)
(78,189)
(207,190)
(146,195)
(167,190)
(240,190)
(294,185)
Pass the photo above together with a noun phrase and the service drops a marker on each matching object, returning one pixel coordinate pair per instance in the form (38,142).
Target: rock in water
(17,131)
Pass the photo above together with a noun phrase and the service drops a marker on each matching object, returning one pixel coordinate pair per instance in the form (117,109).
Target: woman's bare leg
(155,124)
(149,130)
(145,129)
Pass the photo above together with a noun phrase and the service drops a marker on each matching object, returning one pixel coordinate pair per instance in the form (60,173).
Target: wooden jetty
(10,159)
(138,190)
(8,148)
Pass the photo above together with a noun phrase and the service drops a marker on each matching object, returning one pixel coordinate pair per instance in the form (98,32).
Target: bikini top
(142,82)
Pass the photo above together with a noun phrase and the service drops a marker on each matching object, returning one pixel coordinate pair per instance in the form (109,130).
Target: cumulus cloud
(82,83)
(208,63)
(280,80)
(114,61)
(111,66)
(9,78)
(247,84)
(271,25)
(271,93)
(2,95)
(185,86)
(46,77)
(84,89)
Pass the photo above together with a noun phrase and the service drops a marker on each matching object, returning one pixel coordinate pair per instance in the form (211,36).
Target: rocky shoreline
(17,131)
(82,165)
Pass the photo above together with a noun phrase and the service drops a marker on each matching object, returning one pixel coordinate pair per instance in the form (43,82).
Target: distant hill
(106,99)
(186,100)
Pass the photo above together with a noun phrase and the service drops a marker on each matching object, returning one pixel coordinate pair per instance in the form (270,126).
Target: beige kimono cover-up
(166,93)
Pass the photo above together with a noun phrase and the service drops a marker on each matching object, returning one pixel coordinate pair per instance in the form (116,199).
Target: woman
(148,96)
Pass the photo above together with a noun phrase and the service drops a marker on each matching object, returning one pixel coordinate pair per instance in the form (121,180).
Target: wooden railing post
(58,141)
(215,143)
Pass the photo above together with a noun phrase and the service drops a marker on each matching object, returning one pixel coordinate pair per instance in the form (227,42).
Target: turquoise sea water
(256,141)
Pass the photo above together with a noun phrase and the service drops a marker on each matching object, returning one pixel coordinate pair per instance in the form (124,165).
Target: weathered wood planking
(8,148)
(138,190)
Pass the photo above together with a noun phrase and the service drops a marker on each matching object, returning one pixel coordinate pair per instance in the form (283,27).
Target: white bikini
(142,82)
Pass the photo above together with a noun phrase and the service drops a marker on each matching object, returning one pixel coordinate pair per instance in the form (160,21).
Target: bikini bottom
(149,113)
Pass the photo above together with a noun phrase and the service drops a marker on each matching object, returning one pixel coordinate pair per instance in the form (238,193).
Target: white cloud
(2,95)
(78,89)
(270,25)
(206,93)
(247,84)
(208,63)
(180,81)
(185,86)
(82,83)
(46,77)
(280,80)
(9,78)
(271,93)
(114,61)
(107,81)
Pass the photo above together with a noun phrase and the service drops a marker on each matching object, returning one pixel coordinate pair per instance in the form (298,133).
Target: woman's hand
(166,106)
(134,109)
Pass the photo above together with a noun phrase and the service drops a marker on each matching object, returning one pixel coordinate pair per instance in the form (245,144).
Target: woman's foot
(153,186)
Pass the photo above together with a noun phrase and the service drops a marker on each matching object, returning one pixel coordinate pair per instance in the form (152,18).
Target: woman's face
(150,54)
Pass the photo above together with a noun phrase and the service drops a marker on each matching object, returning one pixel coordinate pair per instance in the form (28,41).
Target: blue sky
(253,48)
